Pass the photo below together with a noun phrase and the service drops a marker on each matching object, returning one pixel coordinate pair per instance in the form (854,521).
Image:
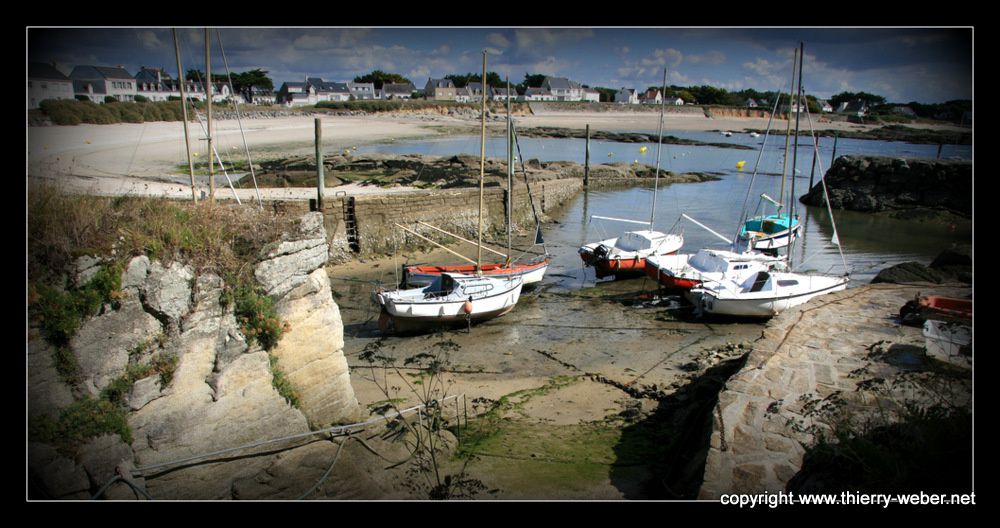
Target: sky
(927,65)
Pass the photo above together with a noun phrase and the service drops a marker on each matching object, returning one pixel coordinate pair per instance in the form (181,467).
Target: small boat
(446,300)
(763,294)
(727,133)
(627,254)
(529,273)
(949,341)
(769,232)
(686,271)
(945,308)
(754,134)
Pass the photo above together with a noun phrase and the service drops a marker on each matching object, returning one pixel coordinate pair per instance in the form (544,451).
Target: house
(904,110)
(591,95)
(470,93)
(627,96)
(563,89)
(652,96)
(674,101)
(440,89)
(398,90)
(856,107)
(501,94)
(156,84)
(750,103)
(46,82)
(362,91)
(97,82)
(313,90)
(825,106)
(260,96)
(537,94)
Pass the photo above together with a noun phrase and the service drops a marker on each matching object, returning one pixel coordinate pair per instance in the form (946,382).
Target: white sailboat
(452,297)
(627,254)
(766,293)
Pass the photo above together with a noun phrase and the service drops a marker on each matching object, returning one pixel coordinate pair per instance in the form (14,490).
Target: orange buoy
(467,307)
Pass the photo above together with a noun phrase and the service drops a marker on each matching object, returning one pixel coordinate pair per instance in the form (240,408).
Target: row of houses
(314,90)
(98,83)
(552,89)
(651,96)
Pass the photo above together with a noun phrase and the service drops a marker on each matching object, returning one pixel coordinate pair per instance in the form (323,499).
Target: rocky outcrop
(221,393)
(875,184)
(310,354)
(952,265)
(835,360)
(103,344)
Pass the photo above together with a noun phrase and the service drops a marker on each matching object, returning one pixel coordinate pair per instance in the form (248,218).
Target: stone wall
(454,210)
(828,360)
(873,184)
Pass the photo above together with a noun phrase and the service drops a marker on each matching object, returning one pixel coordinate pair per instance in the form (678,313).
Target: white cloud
(711,58)
(441,50)
(149,40)
(312,42)
(542,40)
(498,40)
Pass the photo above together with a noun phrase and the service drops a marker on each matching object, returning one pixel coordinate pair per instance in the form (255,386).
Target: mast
(208,93)
(184,112)
(788,129)
(795,155)
(510,176)
(482,169)
(659,145)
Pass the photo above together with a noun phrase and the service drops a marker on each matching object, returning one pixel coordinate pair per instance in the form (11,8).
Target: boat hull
(530,274)
(415,308)
(760,306)
(608,259)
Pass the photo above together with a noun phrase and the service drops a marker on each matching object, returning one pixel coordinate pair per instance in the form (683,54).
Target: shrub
(110,99)
(255,314)
(141,99)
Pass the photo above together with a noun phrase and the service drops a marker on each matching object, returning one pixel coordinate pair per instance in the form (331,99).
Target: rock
(103,343)
(47,394)
(958,255)
(84,269)
(55,476)
(168,290)
(135,274)
(144,391)
(909,272)
(287,264)
(99,458)
(311,354)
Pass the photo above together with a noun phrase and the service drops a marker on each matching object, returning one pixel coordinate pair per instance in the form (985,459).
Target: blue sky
(927,65)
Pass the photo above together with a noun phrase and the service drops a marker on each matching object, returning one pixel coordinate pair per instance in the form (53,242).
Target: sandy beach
(149,158)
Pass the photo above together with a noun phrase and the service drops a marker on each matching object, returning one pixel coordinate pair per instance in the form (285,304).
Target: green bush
(82,420)
(67,112)
(141,99)
(62,311)
(254,312)
(281,384)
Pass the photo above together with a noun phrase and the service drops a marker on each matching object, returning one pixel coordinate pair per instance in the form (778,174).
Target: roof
(441,83)
(399,88)
(41,70)
(537,91)
(85,73)
(502,91)
(561,83)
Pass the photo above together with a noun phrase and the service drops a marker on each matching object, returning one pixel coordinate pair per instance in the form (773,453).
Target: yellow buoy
(740,164)
(643,149)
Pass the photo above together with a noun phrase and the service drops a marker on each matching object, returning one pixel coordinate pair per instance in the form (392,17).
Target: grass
(82,420)
(72,112)
(281,384)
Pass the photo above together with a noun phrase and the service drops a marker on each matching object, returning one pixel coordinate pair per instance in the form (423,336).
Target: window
(788,282)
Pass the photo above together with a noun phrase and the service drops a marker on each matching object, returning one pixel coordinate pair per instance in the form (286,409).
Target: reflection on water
(869,242)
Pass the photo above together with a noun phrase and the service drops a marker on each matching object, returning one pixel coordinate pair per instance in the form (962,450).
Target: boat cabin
(639,240)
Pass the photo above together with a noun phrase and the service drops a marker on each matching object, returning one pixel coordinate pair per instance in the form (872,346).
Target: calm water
(869,243)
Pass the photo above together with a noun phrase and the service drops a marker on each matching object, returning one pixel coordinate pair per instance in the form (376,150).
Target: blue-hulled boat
(769,232)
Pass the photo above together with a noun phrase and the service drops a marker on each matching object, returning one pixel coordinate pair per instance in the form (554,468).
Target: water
(869,242)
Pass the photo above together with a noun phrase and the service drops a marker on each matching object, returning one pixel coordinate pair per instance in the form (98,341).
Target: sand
(150,159)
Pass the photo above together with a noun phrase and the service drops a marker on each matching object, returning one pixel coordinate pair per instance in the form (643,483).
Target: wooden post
(320,176)
(208,97)
(586,164)
(833,157)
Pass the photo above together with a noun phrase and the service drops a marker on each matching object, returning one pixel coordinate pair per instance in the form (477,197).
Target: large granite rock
(53,476)
(873,184)
(168,291)
(286,264)
(47,394)
(103,343)
(311,353)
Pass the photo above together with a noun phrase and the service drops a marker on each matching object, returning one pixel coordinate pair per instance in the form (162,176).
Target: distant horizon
(924,65)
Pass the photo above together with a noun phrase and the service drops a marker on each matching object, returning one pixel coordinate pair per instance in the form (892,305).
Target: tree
(533,80)
(380,78)
(492,79)
(847,97)
(244,83)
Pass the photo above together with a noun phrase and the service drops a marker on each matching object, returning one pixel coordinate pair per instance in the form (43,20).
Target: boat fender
(467,307)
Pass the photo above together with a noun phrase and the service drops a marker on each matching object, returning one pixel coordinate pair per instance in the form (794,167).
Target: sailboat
(530,272)
(452,297)
(627,254)
(766,292)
